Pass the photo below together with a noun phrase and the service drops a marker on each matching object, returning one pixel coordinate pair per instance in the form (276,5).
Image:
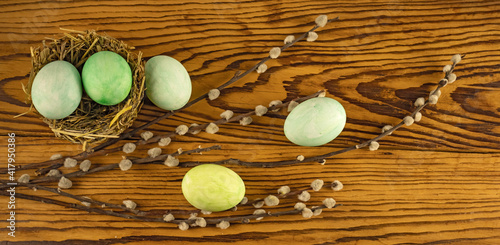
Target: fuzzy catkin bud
(408,120)
(25,178)
(374,145)
(129,147)
(171,161)
(212,128)
(451,77)
(420,101)
(65,183)
(227,114)
(307,213)
(292,105)
(54,173)
(275,103)
(274,52)
(205,212)
(284,190)
(456,58)
(183,226)
(168,217)
(321,20)
(244,200)
(192,128)
(181,129)
(125,164)
(129,204)
(289,39)
(85,165)
(201,222)
(271,200)
(304,196)
(245,121)
(300,158)
(329,202)
(387,128)
(260,110)
(337,185)
(258,204)
(317,184)
(56,156)
(435,92)
(259,212)
(418,117)
(446,68)
(154,152)
(70,162)
(164,141)
(213,94)
(312,36)
(317,210)
(223,225)
(261,68)
(146,135)
(299,206)
(433,99)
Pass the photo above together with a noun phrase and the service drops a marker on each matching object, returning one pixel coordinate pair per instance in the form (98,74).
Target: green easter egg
(315,122)
(213,187)
(168,84)
(57,90)
(107,78)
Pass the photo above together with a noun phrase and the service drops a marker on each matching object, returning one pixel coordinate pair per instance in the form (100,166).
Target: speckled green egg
(168,84)
(315,122)
(107,78)
(213,187)
(56,90)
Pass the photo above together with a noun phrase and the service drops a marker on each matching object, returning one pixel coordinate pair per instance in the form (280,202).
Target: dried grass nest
(90,123)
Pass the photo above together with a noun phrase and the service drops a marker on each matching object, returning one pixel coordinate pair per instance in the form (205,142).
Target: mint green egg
(213,187)
(168,84)
(315,122)
(107,78)
(56,90)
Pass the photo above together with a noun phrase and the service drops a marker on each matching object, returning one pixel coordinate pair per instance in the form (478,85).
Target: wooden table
(435,182)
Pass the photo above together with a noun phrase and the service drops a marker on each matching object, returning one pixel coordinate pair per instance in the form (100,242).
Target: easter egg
(107,78)
(57,90)
(213,187)
(315,122)
(168,84)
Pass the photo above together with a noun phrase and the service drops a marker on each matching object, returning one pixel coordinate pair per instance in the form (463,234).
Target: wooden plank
(435,182)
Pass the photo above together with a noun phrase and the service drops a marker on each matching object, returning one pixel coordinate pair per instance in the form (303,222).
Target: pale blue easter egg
(107,78)
(57,90)
(168,84)
(315,122)
(213,187)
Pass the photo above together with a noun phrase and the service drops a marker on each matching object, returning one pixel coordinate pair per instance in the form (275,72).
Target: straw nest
(90,123)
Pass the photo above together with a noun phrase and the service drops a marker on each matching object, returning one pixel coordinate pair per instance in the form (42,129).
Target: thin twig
(217,220)
(79,173)
(321,158)
(93,151)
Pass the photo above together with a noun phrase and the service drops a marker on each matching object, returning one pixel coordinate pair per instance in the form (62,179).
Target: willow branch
(79,173)
(321,158)
(96,151)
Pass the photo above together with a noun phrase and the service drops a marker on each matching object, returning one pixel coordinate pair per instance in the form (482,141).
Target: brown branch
(217,220)
(79,173)
(321,158)
(96,151)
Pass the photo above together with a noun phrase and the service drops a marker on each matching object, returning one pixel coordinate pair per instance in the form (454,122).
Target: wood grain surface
(435,182)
